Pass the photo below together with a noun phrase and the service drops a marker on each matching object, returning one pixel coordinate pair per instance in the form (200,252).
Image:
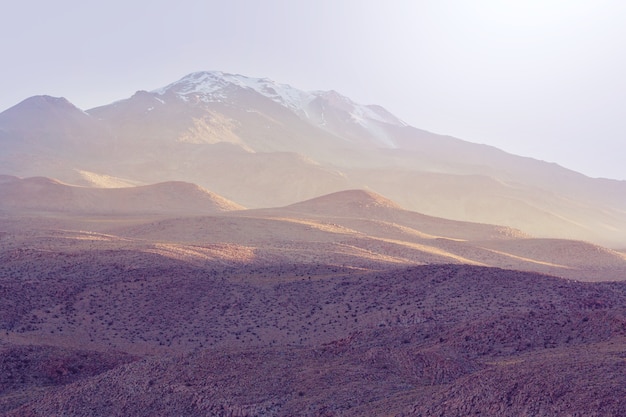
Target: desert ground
(343,305)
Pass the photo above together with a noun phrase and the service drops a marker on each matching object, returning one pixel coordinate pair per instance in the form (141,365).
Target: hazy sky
(540,78)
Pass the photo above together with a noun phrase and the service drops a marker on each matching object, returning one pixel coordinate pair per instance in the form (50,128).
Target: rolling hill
(353,228)
(48,195)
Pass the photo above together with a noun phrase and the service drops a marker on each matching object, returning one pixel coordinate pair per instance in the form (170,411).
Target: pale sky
(539,78)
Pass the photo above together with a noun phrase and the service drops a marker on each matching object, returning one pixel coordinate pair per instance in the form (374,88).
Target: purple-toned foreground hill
(303,340)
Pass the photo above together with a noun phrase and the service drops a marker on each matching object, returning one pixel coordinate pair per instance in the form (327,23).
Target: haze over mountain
(169,299)
(243,137)
(224,245)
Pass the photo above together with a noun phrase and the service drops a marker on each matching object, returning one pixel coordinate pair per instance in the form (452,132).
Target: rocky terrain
(310,340)
(343,305)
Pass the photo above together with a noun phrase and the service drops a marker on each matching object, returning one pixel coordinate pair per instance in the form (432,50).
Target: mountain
(265,144)
(49,136)
(48,122)
(326,109)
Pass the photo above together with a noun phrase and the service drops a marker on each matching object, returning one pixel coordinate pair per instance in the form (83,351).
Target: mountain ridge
(244,137)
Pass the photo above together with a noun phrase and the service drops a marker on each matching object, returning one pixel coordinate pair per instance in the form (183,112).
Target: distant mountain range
(263,144)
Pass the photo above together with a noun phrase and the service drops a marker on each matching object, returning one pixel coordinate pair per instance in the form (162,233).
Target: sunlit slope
(365,230)
(48,195)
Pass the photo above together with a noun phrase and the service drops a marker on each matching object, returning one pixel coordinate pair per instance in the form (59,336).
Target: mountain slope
(266,144)
(49,136)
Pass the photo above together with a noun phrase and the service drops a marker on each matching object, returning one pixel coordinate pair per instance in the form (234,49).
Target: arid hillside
(170,337)
(182,303)
(353,228)
(361,228)
(48,195)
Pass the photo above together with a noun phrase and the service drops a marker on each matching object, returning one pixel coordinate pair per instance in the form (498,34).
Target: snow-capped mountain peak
(313,106)
(210,86)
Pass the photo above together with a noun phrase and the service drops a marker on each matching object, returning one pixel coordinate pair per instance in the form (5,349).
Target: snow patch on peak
(209,86)
(336,100)
(381,114)
(359,112)
(368,117)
